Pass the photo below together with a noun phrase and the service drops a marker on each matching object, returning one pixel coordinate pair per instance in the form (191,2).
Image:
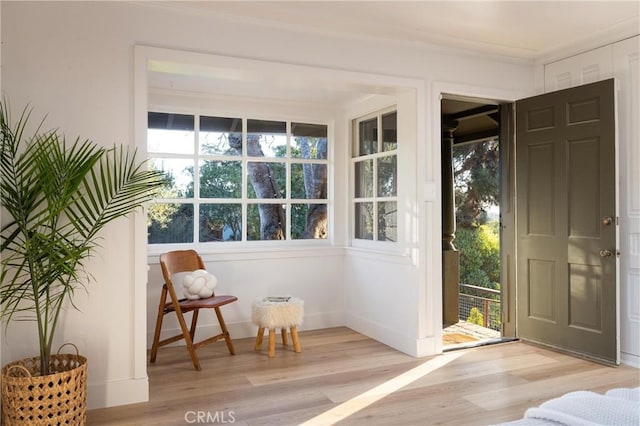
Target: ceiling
(472,121)
(519,29)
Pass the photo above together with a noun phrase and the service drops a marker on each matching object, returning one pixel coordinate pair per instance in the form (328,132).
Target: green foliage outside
(479,255)
(173,222)
(475,317)
(476,185)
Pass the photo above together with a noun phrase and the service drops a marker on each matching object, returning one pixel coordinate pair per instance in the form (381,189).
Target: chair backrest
(177,261)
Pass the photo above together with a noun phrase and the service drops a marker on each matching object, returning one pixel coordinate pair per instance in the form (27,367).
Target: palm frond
(58,196)
(119,186)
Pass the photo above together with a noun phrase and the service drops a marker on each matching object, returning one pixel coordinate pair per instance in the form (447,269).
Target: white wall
(626,56)
(75,62)
(250,277)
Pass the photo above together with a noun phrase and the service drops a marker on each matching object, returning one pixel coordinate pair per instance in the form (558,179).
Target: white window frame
(375,199)
(245,201)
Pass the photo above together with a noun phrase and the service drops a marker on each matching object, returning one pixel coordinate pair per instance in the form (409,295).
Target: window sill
(397,257)
(254,251)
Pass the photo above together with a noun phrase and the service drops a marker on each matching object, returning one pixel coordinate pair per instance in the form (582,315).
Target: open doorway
(471,222)
(564,175)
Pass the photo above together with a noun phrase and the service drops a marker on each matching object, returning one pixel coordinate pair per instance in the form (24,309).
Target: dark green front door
(566,220)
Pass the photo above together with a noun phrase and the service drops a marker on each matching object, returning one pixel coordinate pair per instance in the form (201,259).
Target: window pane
(220,136)
(170,223)
(389,131)
(309,181)
(220,222)
(309,141)
(221,179)
(266,138)
(387,172)
(180,175)
(364,221)
(308,221)
(364,179)
(170,133)
(266,180)
(368,140)
(170,121)
(388,221)
(266,222)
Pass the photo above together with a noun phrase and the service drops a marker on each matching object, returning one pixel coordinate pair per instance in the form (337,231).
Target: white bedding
(617,407)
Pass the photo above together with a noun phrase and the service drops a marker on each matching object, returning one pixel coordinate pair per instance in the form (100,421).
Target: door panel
(566,245)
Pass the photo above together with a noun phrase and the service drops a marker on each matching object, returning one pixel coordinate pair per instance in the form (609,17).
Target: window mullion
(196,180)
(287,192)
(375,177)
(245,180)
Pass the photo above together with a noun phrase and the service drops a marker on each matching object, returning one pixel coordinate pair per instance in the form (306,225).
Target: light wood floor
(342,377)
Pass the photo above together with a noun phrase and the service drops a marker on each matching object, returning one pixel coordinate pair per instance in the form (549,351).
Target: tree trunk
(316,226)
(272,218)
(315,179)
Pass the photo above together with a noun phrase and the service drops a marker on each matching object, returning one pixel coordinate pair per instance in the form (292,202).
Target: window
(374,161)
(237,179)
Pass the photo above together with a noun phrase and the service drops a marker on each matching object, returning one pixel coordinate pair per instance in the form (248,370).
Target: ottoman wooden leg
(259,338)
(272,342)
(294,338)
(283,331)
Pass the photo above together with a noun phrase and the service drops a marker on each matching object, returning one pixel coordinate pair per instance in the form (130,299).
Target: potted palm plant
(56,197)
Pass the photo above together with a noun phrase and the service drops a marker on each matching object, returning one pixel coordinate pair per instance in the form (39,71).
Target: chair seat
(210,302)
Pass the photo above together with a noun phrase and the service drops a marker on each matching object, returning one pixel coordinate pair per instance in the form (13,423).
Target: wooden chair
(186,261)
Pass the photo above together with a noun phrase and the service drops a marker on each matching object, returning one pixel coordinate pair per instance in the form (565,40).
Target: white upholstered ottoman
(278,312)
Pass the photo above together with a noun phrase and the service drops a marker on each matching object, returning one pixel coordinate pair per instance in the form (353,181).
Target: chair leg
(187,337)
(283,331)
(194,322)
(272,342)
(159,318)
(294,337)
(225,332)
(259,337)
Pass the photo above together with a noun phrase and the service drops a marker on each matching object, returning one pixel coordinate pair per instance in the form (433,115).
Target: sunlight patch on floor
(375,394)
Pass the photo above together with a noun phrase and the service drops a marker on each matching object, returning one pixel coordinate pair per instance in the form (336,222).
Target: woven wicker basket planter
(56,399)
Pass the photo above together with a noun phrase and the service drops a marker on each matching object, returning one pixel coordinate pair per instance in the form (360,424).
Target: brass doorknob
(606,253)
(607,220)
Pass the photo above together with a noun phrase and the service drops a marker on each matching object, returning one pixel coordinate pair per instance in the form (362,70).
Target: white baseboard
(383,334)
(121,392)
(630,359)
(427,346)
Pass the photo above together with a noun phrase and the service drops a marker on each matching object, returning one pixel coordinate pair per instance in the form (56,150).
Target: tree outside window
(237,179)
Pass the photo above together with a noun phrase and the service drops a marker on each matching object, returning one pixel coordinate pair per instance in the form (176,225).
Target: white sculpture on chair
(199,284)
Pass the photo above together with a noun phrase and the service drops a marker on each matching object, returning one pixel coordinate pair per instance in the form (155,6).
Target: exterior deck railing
(485,300)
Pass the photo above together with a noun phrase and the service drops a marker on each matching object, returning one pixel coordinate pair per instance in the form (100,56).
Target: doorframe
(433,257)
